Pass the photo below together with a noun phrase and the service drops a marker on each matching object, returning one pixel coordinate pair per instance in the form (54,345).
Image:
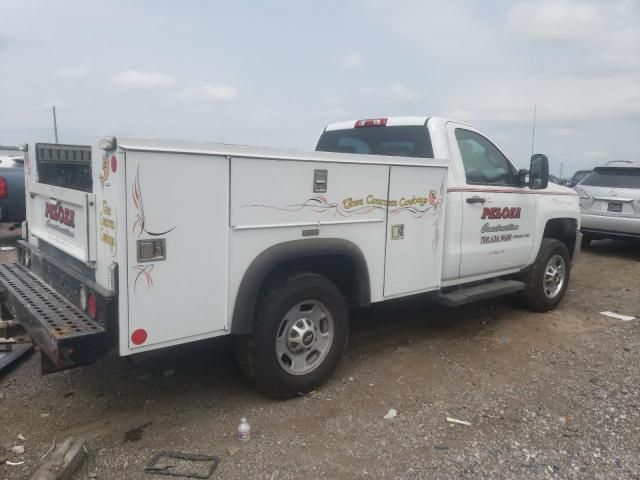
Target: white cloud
(79,71)
(393,92)
(331,101)
(562,99)
(596,154)
(621,47)
(427,23)
(331,115)
(595,37)
(554,20)
(209,93)
(400,91)
(331,110)
(138,79)
(352,60)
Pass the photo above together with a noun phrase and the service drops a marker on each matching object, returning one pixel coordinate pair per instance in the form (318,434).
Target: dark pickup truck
(12,209)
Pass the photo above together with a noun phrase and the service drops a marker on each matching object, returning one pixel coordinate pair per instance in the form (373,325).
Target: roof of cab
(622,164)
(391,122)
(394,122)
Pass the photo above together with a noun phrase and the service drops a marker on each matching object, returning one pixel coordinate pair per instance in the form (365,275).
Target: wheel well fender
(564,230)
(340,260)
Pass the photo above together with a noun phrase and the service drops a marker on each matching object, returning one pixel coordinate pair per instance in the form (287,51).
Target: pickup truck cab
(495,220)
(138,244)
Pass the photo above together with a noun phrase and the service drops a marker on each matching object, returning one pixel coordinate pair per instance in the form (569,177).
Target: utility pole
(55,124)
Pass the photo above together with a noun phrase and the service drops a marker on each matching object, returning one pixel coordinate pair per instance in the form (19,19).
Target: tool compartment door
(177,230)
(415,227)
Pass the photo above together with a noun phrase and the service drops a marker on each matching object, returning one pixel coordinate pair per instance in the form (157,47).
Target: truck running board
(67,335)
(462,296)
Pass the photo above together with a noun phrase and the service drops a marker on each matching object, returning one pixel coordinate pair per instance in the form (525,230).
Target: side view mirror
(523,177)
(539,172)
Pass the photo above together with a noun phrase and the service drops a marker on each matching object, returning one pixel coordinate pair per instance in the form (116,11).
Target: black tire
(256,353)
(586,241)
(534,294)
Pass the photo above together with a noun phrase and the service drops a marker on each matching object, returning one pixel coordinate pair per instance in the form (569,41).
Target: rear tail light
(4,190)
(92,305)
(582,194)
(371,122)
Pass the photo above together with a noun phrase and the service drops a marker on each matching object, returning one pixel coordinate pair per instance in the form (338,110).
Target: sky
(275,73)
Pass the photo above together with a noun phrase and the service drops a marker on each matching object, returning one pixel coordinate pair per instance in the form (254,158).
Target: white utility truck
(140,244)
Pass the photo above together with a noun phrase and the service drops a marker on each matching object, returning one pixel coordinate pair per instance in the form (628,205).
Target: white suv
(610,202)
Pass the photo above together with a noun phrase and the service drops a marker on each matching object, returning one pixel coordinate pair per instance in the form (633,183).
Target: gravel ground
(547,395)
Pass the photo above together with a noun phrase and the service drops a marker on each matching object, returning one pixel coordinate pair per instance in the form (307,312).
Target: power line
(25,130)
(30,112)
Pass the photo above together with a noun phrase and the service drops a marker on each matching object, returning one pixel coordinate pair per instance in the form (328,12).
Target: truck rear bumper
(67,336)
(613,226)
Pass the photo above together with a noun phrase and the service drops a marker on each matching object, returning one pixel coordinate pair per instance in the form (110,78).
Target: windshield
(405,141)
(613,177)
(580,175)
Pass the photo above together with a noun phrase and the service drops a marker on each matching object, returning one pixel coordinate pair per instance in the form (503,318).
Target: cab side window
(483,162)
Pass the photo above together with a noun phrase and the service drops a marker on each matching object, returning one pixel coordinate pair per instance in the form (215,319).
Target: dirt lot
(547,395)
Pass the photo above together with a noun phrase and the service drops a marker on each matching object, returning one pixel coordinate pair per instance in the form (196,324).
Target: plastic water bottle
(244,430)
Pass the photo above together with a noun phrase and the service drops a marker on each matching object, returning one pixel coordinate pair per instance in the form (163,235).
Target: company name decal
(349,203)
(495,213)
(500,232)
(108,227)
(416,205)
(60,214)
(487,228)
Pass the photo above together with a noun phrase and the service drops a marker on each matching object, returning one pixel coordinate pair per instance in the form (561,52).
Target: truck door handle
(475,200)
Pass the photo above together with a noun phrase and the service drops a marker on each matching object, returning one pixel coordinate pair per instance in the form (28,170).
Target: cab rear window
(67,166)
(613,177)
(403,141)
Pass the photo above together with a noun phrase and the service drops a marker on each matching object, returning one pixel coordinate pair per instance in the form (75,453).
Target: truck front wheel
(547,279)
(299,335)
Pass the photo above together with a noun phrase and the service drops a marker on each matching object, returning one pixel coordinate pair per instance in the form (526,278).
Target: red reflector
(4,190)
(114,164)
(139,336)
(371,122)
(92,305)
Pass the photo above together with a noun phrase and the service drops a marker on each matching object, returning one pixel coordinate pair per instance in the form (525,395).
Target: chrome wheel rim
(304,337)
(554,276)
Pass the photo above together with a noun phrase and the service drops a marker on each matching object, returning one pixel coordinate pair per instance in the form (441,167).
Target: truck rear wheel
(299,335)
(546,281)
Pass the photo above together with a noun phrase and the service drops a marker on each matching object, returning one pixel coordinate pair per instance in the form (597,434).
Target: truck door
(415,223)
(498,217)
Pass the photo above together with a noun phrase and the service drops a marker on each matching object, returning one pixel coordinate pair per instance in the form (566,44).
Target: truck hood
(554,187)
